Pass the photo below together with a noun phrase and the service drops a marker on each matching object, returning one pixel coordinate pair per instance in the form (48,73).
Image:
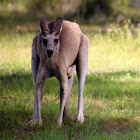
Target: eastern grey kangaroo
(55,50)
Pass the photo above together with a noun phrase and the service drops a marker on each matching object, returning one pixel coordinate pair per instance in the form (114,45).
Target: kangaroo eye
(56,40)
(45,42)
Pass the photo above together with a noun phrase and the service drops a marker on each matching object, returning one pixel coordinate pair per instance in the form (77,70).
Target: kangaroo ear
(44,26)
(57,28)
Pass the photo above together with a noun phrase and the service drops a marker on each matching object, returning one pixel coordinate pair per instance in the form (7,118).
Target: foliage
(89,7)
(86,9)
(42,5)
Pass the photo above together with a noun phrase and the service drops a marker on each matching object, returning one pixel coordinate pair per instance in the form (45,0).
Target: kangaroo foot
(80,118)
(34,122)
(59,122)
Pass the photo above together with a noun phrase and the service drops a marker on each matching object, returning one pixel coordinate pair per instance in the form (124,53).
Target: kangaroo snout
(50,53)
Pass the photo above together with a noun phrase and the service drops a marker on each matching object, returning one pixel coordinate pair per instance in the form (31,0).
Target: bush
(89,7)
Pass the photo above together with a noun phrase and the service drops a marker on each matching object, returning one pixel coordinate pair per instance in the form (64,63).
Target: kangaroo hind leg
(81,68)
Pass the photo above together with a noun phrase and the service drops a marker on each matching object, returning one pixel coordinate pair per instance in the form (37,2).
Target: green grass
(111,95)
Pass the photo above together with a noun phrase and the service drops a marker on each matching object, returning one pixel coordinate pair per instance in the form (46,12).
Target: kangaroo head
(50,35)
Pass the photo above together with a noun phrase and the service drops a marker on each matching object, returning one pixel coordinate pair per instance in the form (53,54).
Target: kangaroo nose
(49,53)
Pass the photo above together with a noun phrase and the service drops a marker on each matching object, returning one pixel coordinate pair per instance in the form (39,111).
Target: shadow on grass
(16,110)
(15,83)
(12,125)
(112,84)
(97,84)
(23,83)
(99,126)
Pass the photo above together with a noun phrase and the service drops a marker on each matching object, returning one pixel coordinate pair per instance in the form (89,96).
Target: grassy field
(112,89)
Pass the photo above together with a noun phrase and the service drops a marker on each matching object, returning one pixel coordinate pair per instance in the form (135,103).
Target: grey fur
(55,51)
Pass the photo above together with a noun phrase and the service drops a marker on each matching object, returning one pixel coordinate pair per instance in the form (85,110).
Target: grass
(111,96)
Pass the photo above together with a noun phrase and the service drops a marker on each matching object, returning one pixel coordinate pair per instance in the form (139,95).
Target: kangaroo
(55,50)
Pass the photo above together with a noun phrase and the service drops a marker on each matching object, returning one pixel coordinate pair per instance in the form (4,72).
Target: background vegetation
(112,91)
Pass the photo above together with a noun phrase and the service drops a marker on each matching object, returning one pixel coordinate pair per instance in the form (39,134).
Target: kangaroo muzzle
(50,53)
